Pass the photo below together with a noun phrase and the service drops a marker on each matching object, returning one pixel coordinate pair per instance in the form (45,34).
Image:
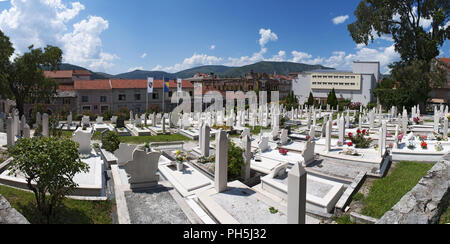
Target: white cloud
(212,47)
(340,19)
(144,55)
(195,60)
(47,22)
(266,36)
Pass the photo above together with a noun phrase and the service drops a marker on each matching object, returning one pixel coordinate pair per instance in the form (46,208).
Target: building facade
(441,95)
(356,85)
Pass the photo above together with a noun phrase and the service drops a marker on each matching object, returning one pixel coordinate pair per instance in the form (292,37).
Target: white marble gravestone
(26,131)
(246,144)
(296,206)
(284,137)
(142,169)
(205,140)
(445,129)
(10,132)
(45,125)
(221,166)
(83,138)
(342,130)
(308,153)
(114,119)
(125,153)
(264,144)
(99,120)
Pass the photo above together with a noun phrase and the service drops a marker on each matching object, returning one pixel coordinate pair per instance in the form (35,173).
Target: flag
(179,85)
(150,85)
(166,85)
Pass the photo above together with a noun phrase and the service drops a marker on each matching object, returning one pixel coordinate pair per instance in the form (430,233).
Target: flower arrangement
(350,152)
(359,140)
(308,137)
(423,137)
(411,145)
(439,147)
(400,137)
(180,156)
(418,120)
(283,151)
(349,144)
(424,145)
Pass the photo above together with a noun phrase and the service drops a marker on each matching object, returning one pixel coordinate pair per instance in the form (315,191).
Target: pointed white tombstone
(264,144)
(114,119)
(381,140)
(221,166)
(405,121)
(360,122)
(38,119)
(125,153)
(10,132)
(26,131)
(99,120)
(45,125)
(70,120)
(246,144)
(342,130)
(445,130)
(328,129)
(296,206)
(384,134)
(275,132)
(164,125)
(314,118)
(308,120)
(324,126)
(205,140)
(142,169)
(436,123)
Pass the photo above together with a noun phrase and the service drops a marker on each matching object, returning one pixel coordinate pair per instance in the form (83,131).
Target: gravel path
(154,206)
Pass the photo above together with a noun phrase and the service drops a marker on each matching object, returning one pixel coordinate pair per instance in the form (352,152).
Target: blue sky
(118,36)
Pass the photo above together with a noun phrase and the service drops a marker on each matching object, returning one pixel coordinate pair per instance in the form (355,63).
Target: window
(330,77)
(85,99)
(137,97)
(86,108)
(155,96)
(122,97)
(103,99)
(95,107)
(66,100)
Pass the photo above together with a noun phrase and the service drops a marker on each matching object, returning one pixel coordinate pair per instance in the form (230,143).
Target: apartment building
(356,85)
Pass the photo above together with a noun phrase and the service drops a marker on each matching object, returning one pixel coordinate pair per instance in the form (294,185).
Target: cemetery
(303,165)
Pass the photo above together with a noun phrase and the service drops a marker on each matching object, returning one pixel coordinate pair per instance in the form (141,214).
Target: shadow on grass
(63,215)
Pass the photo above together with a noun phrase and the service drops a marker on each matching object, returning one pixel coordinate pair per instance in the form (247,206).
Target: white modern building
(356,85)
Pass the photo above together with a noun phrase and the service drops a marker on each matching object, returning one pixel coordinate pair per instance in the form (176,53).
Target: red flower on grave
(350,144)
(358,131)
(350,134)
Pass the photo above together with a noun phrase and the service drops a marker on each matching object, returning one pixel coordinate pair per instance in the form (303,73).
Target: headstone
(275,132)
(2,126)
(164,125)
(125,153)
(10,132)
(381,140)
(205,140)
(45,125)
(328,128)
(296,206)
(85,120)
(445,129)
(436,123)
(142,169)
(99,120)
(324,125)
(284,137)
(264,144)
(342,130)
(245,132)
(405,122)
(70,120)
(246,144)
(38,119)
(23,122)
(114,119)
(221,166)
(308,153)
(26,131)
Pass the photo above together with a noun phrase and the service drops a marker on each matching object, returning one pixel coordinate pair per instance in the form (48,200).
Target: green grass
(257,129)
(445,217)
(358,196)
(386,192)
(343,220)
(158,138)
(72,211)
(68,134)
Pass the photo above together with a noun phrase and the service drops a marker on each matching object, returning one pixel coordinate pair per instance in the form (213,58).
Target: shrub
(359,140)
(48,165)
(235,161)
(111,141)
(371,105)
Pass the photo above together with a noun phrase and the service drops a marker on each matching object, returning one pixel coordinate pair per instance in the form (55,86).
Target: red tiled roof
(445,60)
(142,84)
(92,85)
(66,87)
(81,72)
(60,74)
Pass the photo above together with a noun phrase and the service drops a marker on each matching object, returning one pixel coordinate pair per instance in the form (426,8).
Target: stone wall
(9,215)
(425,203)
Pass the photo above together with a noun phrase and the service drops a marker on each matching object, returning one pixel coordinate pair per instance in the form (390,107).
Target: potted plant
(180,159)
(424,145)
(283,151)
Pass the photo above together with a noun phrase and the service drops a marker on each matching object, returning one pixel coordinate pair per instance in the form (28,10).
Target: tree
(404,20)
(332,99)
(111,141)
(311,101)
(49,165)
(417,44)
(24,80)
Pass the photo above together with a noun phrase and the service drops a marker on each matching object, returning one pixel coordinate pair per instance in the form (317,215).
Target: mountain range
(222,71)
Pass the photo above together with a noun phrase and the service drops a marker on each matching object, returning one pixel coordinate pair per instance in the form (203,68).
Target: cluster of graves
(302,164)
